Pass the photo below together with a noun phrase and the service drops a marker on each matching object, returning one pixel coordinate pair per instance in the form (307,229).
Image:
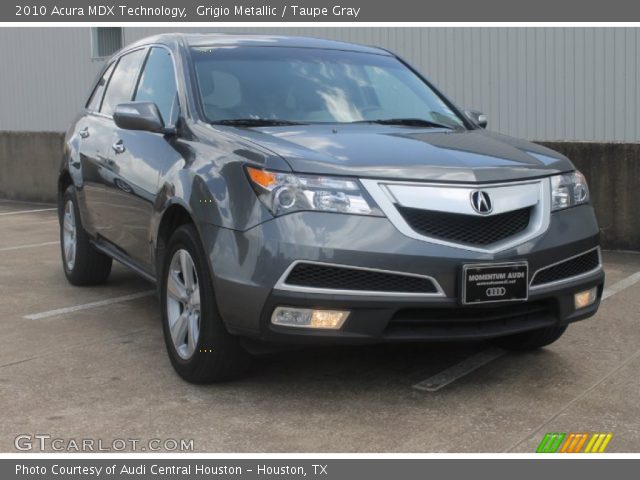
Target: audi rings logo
(496,292)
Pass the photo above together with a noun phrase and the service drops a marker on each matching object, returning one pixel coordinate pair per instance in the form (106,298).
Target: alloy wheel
(183,303)
(69,237)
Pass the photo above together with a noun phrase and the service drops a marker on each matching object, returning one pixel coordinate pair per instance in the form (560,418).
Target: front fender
(212,185)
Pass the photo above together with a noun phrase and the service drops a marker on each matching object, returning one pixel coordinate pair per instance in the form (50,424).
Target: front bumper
(246,266)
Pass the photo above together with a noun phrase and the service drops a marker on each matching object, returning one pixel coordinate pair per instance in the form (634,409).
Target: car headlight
(284,193)
(568,190)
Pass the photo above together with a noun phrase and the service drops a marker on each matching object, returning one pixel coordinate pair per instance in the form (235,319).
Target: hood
(407,153)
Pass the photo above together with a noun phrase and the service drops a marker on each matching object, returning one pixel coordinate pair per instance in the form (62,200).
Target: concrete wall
(613,172)
(29,165)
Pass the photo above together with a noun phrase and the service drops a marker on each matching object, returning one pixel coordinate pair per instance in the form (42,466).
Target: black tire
(218,355)
(531,340)
(90,267)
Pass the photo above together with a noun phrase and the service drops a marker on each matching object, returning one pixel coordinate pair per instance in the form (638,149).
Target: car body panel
(94,164)
(253,261)
(133,188)
(201,168)
(372,151)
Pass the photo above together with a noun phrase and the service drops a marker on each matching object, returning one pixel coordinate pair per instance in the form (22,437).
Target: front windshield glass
(309,85)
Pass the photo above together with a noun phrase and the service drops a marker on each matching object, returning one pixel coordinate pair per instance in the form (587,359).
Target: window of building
(105,41)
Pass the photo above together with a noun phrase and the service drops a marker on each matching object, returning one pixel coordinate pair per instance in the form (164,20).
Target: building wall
(578,84)
(44,76)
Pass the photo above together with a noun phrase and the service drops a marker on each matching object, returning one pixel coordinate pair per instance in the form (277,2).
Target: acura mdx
(283,190)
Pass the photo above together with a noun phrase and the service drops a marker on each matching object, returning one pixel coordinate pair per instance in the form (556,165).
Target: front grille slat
(570,268)
(343,278)
(469,229)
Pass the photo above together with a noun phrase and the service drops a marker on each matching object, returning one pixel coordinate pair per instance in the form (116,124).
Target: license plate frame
(471,296)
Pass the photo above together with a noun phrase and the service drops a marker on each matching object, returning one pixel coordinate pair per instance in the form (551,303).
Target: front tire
(199,346)
(531,340)
(83,265)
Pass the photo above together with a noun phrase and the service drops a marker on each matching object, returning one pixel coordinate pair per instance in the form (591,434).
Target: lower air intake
(343,278)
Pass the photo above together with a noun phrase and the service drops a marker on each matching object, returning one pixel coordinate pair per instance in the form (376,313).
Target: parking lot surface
(80,363)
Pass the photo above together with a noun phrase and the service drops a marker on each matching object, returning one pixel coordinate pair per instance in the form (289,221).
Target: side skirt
(118,255)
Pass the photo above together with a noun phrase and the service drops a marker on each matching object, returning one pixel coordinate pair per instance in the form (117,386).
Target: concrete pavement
(102,373)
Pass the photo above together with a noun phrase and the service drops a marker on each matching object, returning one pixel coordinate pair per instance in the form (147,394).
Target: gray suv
(286,190)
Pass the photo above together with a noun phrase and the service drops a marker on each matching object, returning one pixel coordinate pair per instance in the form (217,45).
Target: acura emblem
(481,202)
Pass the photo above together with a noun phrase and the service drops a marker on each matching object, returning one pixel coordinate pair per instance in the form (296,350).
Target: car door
(100,174)
(140,158)
(93,134)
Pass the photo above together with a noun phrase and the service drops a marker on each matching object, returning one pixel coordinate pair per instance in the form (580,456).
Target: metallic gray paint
(123,197)
(248,264)
(407,153)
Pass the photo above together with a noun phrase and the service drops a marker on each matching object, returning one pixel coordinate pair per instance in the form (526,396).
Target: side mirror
(138,116)
(477,117)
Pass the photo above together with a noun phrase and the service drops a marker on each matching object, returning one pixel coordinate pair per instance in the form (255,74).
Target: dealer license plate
(495,282)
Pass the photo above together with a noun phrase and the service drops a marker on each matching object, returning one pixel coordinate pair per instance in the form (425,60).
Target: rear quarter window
(98,91)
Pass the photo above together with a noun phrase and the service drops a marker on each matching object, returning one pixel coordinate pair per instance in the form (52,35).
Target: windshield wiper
(255,122)
(411,122)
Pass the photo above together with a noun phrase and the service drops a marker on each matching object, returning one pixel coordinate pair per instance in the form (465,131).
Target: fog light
(309,318)
(586,298)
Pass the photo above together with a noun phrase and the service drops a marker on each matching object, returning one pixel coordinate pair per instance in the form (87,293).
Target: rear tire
(83,265)
(199,346)
(531,340)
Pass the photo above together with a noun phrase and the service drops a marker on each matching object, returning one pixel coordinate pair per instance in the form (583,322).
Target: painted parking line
(621,285)
(459,370)
(29,223)
(25,202)
(20,212)
(87,306)
(31,245)
(468,365)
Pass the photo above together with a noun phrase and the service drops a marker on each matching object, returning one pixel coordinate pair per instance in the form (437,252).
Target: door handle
(118,147)
(84,133)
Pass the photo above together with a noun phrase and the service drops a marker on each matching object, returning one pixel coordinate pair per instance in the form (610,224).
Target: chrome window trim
(282,285)
(539,222)
(568,279)
(115,59)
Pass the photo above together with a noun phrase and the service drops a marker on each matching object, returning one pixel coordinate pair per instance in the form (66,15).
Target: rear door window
(124,77)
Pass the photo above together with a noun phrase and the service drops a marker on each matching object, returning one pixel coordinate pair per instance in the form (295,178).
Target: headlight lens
(568,190)
(287,192)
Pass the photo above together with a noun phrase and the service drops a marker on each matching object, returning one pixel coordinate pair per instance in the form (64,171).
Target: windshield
(306,85)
